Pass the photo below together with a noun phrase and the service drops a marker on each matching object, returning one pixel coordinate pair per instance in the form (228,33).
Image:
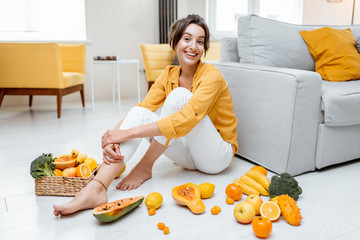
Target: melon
(112,211)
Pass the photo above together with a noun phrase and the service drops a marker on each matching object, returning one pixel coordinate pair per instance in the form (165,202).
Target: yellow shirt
(211,96)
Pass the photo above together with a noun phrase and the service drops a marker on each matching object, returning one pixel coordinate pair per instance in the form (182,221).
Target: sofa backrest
(30,65)
(273,43)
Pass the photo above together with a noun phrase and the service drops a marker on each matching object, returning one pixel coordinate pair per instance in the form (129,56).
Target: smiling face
(190,48)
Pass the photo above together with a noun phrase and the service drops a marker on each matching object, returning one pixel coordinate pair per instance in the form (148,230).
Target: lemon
(91,162)
(153,200)
(80,158)
(207,190)
(121,172)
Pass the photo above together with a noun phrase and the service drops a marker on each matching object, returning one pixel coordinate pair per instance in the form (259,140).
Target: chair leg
(149,85)
(58,100)
(82,95)
(30,100)
(2,94)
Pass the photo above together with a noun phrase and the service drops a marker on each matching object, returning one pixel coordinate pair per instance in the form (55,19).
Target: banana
(259,177)
(254,184)
(247,189)
(237,182)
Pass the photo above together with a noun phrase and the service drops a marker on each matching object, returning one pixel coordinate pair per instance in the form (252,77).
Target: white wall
(321,12)
(186,7)
(119,28)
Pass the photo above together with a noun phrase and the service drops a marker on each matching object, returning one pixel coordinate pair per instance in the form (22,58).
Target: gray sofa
(289,119)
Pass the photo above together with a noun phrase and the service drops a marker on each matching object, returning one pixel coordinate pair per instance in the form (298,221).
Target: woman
(196,128)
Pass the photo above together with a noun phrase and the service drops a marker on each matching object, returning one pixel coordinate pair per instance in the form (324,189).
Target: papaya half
(112,211)
(64,161)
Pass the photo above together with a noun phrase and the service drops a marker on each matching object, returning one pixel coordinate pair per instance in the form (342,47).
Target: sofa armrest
(229,50)
(73,57)
(278,111)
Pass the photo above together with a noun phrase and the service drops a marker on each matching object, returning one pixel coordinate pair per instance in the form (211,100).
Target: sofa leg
(2,94)
(58,100)
(30,100)
(82,96)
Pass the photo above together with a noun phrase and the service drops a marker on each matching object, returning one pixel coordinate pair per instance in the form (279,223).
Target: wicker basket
(61,186)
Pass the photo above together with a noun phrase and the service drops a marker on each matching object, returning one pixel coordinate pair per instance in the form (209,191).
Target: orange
(217,208)
(214,211)
(233,191)
(152,211)
(230,201)
(83,170)
(161,225)
(260,169)
(270,210)
(91,162)
(166,230)
(262,227)
(57,172)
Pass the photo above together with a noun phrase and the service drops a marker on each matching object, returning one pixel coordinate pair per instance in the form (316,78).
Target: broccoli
(42,166)
(284,184)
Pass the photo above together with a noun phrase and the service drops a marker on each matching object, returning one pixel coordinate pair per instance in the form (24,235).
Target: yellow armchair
(157,56)
(42,69)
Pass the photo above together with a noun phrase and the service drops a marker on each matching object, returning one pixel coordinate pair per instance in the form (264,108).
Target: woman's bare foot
(135,178)
(93,195)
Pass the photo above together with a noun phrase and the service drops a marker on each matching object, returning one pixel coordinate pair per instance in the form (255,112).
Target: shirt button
(196,114)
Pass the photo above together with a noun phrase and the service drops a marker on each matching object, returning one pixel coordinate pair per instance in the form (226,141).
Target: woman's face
(190,48)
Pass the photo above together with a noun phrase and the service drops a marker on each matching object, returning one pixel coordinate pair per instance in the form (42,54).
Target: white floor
(329,204)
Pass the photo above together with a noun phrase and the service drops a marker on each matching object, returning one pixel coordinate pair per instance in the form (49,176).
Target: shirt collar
(177,69)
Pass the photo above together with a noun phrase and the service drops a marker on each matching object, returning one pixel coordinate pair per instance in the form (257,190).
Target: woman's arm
(116,136)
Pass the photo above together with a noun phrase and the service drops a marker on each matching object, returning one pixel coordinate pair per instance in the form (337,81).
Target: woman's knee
(178,97)
(138,116)
(137,111)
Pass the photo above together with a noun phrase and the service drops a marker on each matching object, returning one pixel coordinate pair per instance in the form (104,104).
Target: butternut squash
(189,195)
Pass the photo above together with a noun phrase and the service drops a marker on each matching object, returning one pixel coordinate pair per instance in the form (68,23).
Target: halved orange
(270,210)
(83,170)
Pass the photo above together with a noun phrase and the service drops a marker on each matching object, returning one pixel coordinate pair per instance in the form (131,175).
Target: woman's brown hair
(177,29)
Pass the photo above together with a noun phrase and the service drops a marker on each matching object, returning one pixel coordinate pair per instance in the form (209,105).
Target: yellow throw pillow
(335,55)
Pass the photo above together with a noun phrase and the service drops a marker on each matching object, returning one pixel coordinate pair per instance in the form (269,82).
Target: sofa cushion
(269,42)
(340,103)
(73,78)
(336,57)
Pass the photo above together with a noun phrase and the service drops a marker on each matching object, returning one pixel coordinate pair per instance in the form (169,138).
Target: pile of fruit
(75,164)
(254,183)
(261,214)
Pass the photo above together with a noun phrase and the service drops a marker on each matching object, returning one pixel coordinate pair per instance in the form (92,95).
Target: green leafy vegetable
(42,166)
(284,184)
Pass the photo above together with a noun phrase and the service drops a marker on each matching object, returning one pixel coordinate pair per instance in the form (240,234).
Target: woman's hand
(112,154)
(114,136)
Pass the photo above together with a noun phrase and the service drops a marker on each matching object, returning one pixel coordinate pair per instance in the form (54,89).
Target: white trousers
(201,149)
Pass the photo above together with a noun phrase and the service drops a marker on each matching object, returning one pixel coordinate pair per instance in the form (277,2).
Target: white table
(117,64)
